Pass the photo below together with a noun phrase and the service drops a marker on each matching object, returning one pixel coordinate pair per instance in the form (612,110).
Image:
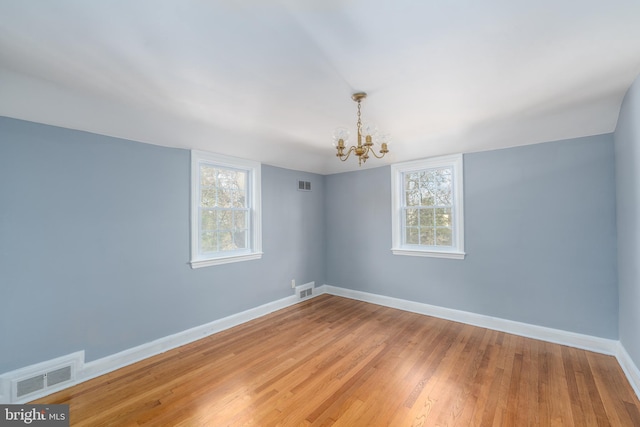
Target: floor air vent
(58,376)
(30,385)
(43,381)
(305,291)
(35,381)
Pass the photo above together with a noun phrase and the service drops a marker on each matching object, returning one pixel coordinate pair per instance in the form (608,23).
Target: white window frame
(253,170)
(456,251)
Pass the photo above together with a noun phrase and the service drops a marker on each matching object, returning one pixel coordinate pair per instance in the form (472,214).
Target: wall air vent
(304,185)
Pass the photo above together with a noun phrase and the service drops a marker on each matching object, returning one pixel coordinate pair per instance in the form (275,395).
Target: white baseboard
(127,357)
(586,342)
(630,369)
(95,368)
(557,336)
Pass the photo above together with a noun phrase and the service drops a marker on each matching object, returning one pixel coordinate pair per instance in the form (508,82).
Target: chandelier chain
(359,123)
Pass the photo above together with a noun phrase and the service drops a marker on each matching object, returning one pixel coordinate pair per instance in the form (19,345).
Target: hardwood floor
(332,361)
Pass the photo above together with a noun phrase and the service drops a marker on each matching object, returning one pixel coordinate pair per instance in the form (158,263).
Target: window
(225,210)
(428,208)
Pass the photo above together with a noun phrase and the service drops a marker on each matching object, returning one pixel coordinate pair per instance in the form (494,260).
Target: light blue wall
(539,233)
(627,149)
(94,242)
(94,245)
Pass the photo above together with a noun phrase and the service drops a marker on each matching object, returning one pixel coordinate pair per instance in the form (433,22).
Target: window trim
(255,211)
(397,190)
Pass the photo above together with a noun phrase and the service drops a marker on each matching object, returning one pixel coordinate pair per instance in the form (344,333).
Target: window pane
(224,198)
(225,219)
(411,218)
(208,197)
(425,177)
(225,241)
(443,198)
(208,220)
(431,186)
(426,217)
(443,217)
(443,195)
(241,180)
(238,199)
(411,181)
(412,236)
(426,236)
(412,198)
(443,186)
(442,174)
(426,197)
(226,177)
(208,242)
(443,237)
(240,220)
(240,239)
(207,175)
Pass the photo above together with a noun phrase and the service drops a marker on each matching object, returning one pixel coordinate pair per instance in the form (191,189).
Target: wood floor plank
(332,361)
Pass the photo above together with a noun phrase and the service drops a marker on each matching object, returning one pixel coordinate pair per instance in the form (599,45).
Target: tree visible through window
(224,212)
(225,209)
(428,207)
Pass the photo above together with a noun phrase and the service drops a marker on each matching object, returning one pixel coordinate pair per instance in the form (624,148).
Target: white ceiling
(270,80)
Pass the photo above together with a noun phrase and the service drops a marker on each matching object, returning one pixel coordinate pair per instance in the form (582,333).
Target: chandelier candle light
(362,150)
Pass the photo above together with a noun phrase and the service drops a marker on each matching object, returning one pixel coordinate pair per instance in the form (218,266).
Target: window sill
(429,253)
(225,260)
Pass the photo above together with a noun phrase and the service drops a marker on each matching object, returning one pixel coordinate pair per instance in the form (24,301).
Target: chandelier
(371,137)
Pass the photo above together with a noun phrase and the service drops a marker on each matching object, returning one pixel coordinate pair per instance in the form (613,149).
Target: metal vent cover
(58,376)
(304,185)
(30,385)
(305,291)
(35,381)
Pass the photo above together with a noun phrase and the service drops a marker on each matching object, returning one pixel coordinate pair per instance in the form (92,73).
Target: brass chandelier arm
(344,157)
(363,156)
(376,156)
